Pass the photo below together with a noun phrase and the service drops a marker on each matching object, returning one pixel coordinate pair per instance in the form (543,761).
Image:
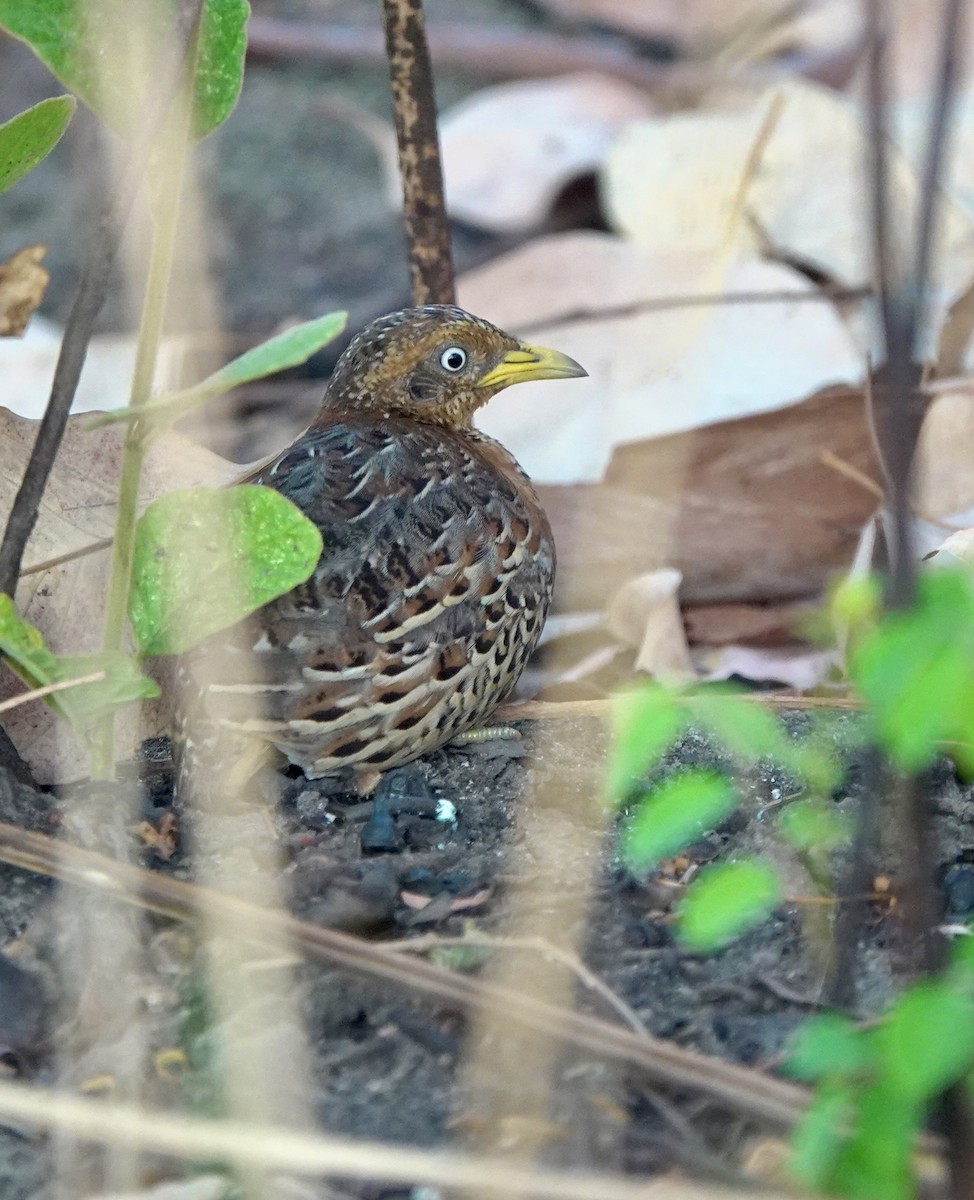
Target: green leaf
(750,732)
(828,1045)
(91,51)
(644,724)
(24,648)
(875,1163)
(820,1136)
(30,136)
(813,825)
(856,602)
(676,813)
(725,900)
(916,670)
(289,349)
(747,729)
(927,1040)
(205,558)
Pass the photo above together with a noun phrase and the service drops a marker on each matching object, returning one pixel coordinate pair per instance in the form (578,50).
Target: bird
(437,566)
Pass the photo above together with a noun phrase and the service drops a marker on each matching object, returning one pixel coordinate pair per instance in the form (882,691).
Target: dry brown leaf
(651,371)
(755,624)
(656,172)
(944,475)
(508,151)
(66,602)
(745,510)
(753,28)
(23,282)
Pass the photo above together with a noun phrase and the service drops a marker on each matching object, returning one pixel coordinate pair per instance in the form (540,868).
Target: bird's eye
(453,358)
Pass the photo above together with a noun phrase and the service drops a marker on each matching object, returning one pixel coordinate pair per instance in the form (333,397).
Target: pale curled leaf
(546,132)
(645,614)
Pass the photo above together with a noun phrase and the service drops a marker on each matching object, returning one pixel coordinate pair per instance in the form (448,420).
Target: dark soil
(527,854)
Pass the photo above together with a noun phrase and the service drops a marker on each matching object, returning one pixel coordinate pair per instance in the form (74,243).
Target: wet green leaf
(724,901)
(92,46)
(206,558)
(675,813)
(30,136)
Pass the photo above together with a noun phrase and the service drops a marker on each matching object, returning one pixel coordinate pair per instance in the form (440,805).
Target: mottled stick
(414,109)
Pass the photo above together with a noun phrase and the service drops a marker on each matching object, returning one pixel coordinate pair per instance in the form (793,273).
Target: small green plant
(222,554)
(670,814)
(874,1086)
(913,670)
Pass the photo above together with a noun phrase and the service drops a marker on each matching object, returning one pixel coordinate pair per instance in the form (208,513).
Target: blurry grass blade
(30,136)
(73,38)
(204,559)
(644,723)
(289,349)
(675,814)
(24,648)
(724,901)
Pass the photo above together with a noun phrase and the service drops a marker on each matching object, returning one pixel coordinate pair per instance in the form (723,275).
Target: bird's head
(436,364)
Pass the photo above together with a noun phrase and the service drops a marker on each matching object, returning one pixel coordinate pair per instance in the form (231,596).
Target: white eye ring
(453,358)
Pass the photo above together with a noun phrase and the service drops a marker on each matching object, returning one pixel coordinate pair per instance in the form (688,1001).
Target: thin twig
(414,110)
(432,942)
(49,689)
(612,312)
(89,299)
(495,53)
(741,1089)
(285,1150)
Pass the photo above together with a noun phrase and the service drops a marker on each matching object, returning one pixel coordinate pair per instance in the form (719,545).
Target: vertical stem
(166,183)
(87,305)
(414,109)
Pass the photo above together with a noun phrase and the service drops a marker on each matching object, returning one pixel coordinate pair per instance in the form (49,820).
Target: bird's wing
(435,550)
